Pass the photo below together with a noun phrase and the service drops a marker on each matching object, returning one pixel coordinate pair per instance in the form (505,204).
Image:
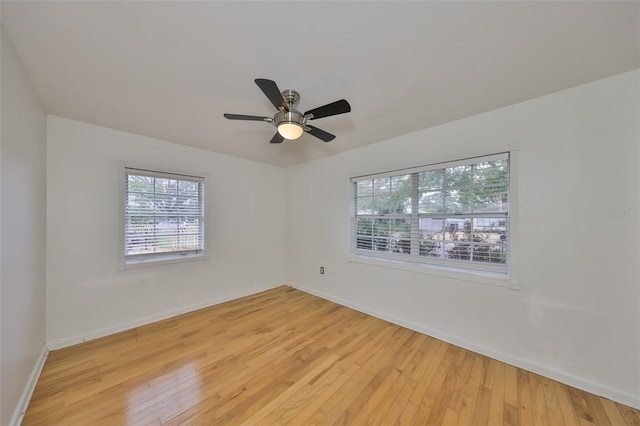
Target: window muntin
(164,216)
(450,214)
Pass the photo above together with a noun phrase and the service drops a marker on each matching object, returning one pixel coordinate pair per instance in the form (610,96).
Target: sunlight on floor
(165,396)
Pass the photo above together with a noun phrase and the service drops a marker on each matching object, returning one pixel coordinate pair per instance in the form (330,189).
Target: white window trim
(160,259)
(476,276)
(510,280)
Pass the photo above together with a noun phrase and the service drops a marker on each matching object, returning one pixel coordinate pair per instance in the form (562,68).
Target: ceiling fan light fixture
(290,130)
(290,124)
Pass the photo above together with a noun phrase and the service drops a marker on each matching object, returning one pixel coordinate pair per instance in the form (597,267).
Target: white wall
(22,229)
(86,294)
(576,316)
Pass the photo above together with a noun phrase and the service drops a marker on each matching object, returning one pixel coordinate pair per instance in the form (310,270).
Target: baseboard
(70,341)
(568,379)
(25,397)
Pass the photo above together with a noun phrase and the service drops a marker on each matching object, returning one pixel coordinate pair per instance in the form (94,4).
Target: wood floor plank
(551,401)
(464,366)
(342,399)
(394,402)
(406,384)
(564,401)
(599,414)
(511,415)
(538,401)
(430,395)
(321,366)
(481,414)
(369,397)
(612,412)
(444,396)
(450,417)
(472,387)
(580,405)
(407,415)
(311,397)
(511,385)
(630,416)
(435,356)
(321,398)
(380,405)
(286,357)
(525,412)
(496,407)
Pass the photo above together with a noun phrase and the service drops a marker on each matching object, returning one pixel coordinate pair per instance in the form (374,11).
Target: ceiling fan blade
(320,134)
(247,117)
(277,138)
(334,108)
(270,89)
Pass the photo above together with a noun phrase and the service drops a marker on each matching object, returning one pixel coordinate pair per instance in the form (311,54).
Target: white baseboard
(70,341)
(568,379)
(25,397)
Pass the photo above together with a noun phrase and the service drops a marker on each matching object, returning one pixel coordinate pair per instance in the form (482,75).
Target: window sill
(161,260)
(481,277)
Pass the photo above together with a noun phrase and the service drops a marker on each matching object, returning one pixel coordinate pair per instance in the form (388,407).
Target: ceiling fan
(290,122)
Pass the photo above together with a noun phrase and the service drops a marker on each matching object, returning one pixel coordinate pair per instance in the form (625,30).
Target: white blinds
(452,214)
(164,213)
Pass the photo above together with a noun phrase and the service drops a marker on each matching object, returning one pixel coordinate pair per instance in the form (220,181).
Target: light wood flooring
(287,357)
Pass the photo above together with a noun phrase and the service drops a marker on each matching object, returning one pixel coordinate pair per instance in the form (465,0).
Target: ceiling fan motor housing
(293,117)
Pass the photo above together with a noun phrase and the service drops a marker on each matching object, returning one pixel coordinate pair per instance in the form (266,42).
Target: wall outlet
(322,270)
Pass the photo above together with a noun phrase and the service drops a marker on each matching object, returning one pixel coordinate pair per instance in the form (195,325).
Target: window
(164,216)
(449,214)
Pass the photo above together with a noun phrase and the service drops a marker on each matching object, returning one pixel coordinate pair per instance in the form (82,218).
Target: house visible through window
(164,216)
(450,214)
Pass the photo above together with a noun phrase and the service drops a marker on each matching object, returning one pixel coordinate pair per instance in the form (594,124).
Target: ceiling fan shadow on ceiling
(290,122)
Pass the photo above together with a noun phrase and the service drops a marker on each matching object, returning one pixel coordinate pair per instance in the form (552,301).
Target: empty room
(320,212)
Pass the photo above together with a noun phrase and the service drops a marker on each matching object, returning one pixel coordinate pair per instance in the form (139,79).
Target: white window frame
(460,269)
(141,260)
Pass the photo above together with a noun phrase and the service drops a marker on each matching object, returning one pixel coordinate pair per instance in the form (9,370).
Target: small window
(164,216)
(450,214)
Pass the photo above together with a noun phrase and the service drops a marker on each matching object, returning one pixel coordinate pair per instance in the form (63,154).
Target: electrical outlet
(322,270)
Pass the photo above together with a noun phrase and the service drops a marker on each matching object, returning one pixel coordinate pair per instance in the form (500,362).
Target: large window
(164,216)
(450,214)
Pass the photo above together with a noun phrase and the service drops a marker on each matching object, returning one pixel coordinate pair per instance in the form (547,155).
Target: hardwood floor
(287,357)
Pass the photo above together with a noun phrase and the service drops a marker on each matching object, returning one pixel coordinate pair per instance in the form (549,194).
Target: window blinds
(164,214)
(451,214)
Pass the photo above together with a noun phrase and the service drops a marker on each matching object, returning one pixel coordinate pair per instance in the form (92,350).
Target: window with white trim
(453,214)
(164,216)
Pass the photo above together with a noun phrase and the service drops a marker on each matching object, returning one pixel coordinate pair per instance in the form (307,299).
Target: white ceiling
(169,70)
